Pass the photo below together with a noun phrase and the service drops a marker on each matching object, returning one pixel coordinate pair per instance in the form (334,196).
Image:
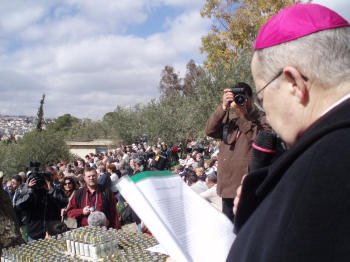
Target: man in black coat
(42,202)
(298,208)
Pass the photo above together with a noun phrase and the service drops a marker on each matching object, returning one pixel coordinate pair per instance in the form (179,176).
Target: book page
(203,232)
(145,211)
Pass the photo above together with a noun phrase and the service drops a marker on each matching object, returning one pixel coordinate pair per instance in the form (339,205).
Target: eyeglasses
(67,183)
(259,100)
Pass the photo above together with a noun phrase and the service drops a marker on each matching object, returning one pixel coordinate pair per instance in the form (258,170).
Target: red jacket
(75,210)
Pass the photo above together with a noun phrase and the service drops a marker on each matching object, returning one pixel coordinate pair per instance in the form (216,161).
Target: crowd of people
(62,196)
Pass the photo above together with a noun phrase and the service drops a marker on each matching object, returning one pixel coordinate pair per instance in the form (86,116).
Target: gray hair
(212,178)
(323,57)
(97,219)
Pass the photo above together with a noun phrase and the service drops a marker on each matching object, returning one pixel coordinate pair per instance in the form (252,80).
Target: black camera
(39,176)
(239,94)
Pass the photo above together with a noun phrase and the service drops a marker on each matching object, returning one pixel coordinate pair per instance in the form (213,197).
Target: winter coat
(298,209)
(234,154)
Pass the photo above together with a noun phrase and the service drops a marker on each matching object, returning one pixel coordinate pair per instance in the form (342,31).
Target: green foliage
(63,123)
(235,26)
(122,123)
(9,161)
(87,130)
(43,146)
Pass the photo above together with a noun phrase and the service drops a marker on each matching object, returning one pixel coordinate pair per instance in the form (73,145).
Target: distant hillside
(17,125)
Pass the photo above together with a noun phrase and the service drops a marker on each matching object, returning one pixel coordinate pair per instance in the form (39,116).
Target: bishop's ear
(297,81)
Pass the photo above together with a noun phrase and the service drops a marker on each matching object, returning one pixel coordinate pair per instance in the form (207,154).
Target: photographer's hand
(31,183)
(227,99)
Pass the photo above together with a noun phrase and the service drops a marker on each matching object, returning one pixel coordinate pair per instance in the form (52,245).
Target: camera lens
(240,99)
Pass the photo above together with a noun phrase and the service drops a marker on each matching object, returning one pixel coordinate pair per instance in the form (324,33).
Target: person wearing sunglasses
(69,186)
(301,70)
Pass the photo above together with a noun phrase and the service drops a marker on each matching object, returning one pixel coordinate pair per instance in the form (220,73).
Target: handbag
(70,222)
(56,227)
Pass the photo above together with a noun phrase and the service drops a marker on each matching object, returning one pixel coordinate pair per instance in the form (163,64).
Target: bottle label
(94,252)
(81,249)
(68,246)
(76,246)
(86,250)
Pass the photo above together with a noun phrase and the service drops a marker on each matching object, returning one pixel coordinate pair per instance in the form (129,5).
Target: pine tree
(40,123)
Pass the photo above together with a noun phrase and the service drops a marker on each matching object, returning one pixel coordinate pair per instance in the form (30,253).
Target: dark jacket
(104,180)
(299,207)
(235,155)
(41,208)
(163,159)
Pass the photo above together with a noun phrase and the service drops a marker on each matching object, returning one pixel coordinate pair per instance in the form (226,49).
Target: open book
(186,225)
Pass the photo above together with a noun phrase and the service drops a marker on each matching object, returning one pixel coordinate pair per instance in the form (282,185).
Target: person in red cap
(298,209)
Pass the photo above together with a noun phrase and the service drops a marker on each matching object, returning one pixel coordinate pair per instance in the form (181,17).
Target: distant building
(17,125)
(81,149)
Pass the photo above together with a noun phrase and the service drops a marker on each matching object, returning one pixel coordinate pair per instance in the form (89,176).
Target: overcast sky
(90,56)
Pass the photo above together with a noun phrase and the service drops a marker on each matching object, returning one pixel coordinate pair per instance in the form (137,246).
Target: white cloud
(182,3)
(340,6)
(194,30)
(77,52)
(18,20)
(126,11)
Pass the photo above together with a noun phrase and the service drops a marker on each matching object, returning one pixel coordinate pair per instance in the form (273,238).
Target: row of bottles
(86,244)
(92,242)
(47,250)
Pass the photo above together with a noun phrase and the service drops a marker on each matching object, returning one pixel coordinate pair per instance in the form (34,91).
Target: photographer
(41,201)
(236,130)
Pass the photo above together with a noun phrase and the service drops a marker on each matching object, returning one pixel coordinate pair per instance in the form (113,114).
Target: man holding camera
(93,197)
(41,202)
(237,130)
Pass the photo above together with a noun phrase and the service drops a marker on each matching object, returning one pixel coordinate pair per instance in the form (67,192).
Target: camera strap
(226,127)
(224,133)
(88,194)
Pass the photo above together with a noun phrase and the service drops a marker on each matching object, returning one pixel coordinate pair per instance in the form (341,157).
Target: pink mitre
(297,21)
